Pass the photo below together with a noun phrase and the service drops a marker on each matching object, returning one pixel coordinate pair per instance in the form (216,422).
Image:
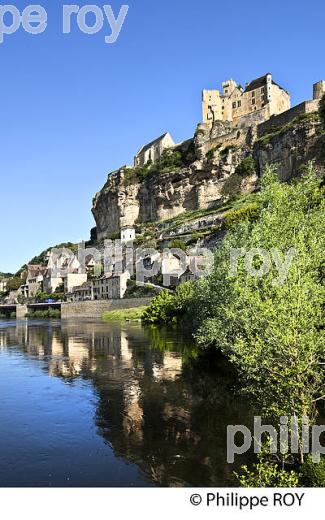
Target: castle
(261,96)
(261,100)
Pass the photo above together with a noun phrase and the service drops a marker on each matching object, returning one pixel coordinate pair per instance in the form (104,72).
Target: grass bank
(132,314)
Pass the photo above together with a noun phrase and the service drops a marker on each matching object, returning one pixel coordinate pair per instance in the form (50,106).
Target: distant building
(3,285)
(127,234)
(153,151)
(34,280)
(63,268)
(187,276)
(72,280)
(319,89)
(262,98)
(110,287)
(82,293)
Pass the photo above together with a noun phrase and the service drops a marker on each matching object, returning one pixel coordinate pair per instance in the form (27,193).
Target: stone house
(110,287)
(127,234)
(81,293)
(63,268)
(35,279)
(72,280)
(261,99)
(153,151)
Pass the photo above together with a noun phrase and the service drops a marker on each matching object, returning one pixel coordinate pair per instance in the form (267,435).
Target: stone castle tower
(261,99)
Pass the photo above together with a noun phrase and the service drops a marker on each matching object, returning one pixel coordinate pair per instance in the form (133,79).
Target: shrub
(313,475)
(170,158)
(51,313)
(228,148)
(232,186)
(160,309)
(246,167)
(267,474)
(177,244)
(249,213)
(167,307)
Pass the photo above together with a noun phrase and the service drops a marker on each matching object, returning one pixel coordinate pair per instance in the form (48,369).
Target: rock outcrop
(127,199)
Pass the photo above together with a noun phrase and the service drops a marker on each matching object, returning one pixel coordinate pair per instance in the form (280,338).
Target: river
(87,403)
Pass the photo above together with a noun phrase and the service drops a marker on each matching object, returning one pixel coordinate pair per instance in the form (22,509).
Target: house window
(253,93)
(234,105)
(253,101)
(239,104)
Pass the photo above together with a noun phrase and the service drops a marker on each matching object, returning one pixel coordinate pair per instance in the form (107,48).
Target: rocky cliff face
(126,199)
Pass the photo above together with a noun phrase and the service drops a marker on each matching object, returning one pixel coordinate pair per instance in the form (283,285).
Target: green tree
(14,283)
(272,333)
(161,309)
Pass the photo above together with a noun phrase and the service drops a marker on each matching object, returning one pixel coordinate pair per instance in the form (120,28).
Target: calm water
(94,404)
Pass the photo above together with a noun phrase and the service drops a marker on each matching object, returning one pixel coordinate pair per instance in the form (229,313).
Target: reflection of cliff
(167,415)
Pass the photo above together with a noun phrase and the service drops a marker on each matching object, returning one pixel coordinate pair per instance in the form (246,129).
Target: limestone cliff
(207,161)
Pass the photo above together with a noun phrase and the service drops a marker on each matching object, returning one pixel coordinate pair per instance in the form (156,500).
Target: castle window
(253,93)
(239,104)
(234,105)
(253,101)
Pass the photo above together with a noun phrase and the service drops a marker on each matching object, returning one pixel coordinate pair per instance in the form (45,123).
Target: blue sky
(74,108)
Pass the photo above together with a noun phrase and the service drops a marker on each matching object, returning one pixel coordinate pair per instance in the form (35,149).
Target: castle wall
(307,107)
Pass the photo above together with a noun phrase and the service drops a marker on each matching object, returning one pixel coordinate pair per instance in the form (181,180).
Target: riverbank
(133,314)
(96,309)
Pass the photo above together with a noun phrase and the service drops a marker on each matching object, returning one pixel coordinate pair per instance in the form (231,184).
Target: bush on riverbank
(4,316)
(167,307)
(51,313)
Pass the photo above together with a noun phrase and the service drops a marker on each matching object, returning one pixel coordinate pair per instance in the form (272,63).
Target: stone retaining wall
(95,309)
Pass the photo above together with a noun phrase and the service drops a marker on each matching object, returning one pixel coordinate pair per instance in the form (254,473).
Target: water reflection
(154,403)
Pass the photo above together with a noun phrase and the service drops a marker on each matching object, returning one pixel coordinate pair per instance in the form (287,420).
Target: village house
(71,280)
(127,234)
(34,280)
(261,99)
(3,285)
(81,293)
(110,287)
(63,269)
(152,152)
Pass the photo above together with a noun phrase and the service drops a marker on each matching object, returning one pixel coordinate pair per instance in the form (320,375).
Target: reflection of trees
(157,406)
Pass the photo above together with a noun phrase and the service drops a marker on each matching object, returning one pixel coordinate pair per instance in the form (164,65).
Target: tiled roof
(260,82)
